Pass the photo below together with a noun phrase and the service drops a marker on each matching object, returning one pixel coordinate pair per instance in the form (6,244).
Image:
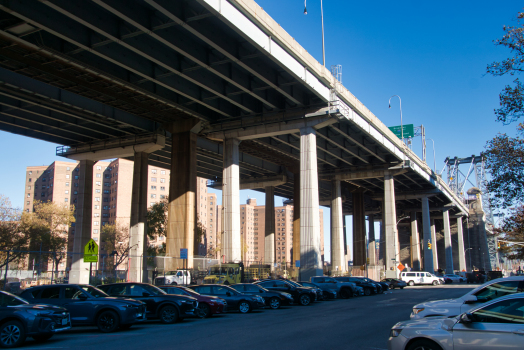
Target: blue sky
(432,54)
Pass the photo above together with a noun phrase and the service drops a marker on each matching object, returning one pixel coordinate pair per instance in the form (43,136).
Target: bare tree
(116,240)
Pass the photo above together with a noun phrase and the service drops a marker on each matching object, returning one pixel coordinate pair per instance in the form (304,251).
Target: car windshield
(171,273)
(218,271)
(94,292)
(8,299)
(293,283)
(152,289)
(189,290)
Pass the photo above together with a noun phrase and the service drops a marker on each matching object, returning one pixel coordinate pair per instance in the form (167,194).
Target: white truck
(178,277)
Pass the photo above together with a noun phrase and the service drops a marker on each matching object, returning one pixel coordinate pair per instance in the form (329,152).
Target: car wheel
(174,283)
(168,314)
(42,337)
(305,300)
(12,334)
(367,291)
(274,303)
(434,283)
(391,287)
(205,310)
(424,344)
(355,294)
(345,293)
(244,307)
(107,321)
(401,287)
(411,283)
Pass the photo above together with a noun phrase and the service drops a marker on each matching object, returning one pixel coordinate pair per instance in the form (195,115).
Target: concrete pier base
(269,238)
(138,229)
(337,229)
(447,242)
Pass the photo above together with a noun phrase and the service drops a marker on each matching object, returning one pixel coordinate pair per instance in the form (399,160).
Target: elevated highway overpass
(217,89)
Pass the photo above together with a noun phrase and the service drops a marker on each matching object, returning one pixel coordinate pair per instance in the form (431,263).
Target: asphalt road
(361,323)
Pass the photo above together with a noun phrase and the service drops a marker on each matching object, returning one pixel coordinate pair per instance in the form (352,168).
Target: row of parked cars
(41,311)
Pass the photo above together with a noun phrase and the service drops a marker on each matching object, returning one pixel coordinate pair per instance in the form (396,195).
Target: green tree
(156,218)
(504,154)
(512,230)
(12,236)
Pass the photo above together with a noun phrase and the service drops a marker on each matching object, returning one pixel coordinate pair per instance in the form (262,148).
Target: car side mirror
(228,294)
(466,318)
(470,299)
(145,294)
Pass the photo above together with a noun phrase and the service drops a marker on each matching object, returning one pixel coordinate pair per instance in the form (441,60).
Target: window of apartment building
(77,169)
(106,207)
(97,190)
(28,202)
(104,223)
(30,179)
(108,184)
(44,179)
(68,168)
(68,176)
(162,188)
(98,175)
(76,177)
(95,231)
(28,187)
(66,200)
(96,223)
(29,195)
(153,195)
(153,171)
(162,196)
(153,179)
(162,180)
(106,199)
(76,184)
(162,172)
(153,187)
(96,215)
(97,199)
(115,181)
(95,239)
(107,192)
(66,191)
(152,203)
(67,184)
(98,167)
(30,173)
(107,176)
(75,192)
(210,203)
(105,215)
(98,183)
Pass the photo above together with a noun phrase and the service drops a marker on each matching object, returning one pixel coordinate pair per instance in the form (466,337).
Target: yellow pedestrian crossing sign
(91,251)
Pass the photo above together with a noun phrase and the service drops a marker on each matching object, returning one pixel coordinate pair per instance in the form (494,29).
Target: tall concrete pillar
(429,254)
(138,231)
(434,245)
(182,200)
(310,256)
(231,201)
(84,215)
(390,217)
(359,230)
(269,238)
(415,242)
(338,262)
(296,217)
(344,233)
(382,240)
(447,242)
(371,246)
(461,252)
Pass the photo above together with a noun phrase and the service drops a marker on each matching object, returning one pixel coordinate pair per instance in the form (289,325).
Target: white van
(419,277)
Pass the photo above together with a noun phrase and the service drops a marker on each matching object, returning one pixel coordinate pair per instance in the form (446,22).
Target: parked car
(273,299)
(344,289)
(88,305)
(497,324)
(207,305)
(19,319)
(369,288)
(419,277)
(319,294)
(383,285)
(301,295)
(395,283)
(486,292)
(182,277)
(455,278)
(322,294)
(235,300)
(159,305)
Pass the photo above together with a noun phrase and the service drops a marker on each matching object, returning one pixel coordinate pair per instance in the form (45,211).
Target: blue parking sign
(297,263)
(183,253)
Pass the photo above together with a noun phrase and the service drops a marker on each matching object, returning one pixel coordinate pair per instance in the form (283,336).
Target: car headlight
(186,301)
(395,332)
(417,310)
(38,312)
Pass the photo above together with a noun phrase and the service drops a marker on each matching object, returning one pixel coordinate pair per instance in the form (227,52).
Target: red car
(207,305)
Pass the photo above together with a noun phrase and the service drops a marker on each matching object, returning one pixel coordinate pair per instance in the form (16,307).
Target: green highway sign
(409,130)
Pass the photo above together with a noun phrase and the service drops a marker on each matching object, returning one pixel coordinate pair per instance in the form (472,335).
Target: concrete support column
(344,233)
(382,240)
(447,242)
(296,218)
(429,254)
(182,200)
(461,252)
(434,245)
(337,229)
(138,231)
(359,230)
(269,238)
(310,256)
(84,215)
(391,233)
(415,242)
(371,245)
(231,201)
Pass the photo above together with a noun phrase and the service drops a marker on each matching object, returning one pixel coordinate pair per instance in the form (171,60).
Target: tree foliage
(512,230)
(116,241)
(12,237)
(157,219)
(504,154)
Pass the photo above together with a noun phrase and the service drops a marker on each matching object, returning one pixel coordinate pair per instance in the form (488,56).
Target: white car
(455,278)
(498,324)
(486,292)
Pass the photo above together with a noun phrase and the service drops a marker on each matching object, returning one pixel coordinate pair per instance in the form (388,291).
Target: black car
(88,305)
(395,283)
(235,300)
(273,299)
(384,286)
(369,288)
(168,308)
(301,295)
(19,320)
(324,294)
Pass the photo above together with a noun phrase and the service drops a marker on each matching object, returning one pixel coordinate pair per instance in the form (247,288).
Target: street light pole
(434,160)
(401,127)
(322,17)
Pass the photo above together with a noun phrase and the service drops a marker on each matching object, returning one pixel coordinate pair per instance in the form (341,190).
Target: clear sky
(432,54)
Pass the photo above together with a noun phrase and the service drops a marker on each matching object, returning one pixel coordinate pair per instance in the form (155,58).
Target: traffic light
(429,245)
(498,245)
